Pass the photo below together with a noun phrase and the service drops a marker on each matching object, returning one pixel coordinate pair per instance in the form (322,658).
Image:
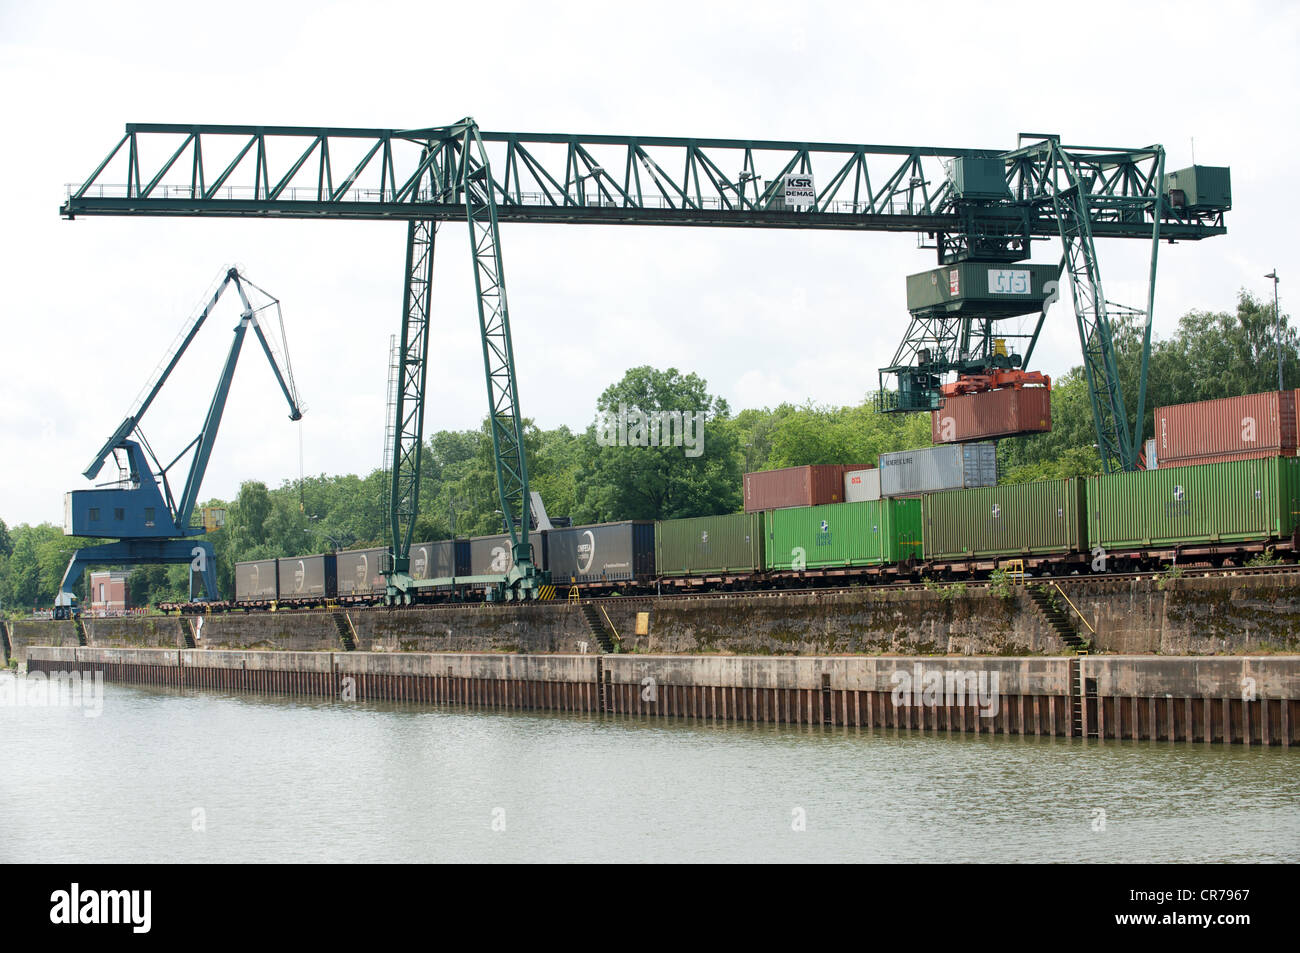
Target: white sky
(764,316)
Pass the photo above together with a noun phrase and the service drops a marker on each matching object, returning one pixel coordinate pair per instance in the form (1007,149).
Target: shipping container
(934,469)
(440,560)
(255,581)
(308,577)
(1016,519)
(709,544)
(493,555)
(870,533)
(606,552)
(1236,502)
(860,485)
(358,572)
(796,486)
(1151,456)
(1213,428)
(993,413)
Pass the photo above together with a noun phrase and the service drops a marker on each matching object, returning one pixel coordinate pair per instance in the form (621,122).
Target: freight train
(1220,513)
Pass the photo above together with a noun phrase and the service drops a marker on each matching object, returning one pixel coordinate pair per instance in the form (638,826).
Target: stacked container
(796,486)
(950,467)
(992,413)
(1250,427)
(861,485)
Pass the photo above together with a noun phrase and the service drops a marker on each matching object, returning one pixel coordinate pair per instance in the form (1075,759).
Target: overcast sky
(765,316)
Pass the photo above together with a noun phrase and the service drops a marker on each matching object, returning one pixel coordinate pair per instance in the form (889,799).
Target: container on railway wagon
(870,533)
(994,413)
(796,486)
(1016,519)
(934,469)
(1241,501)
(442,559)
(605,552)
(256,581)
(860,485)
(308,577)
(1211,429)
(494,555)
(358,572)
(709,544)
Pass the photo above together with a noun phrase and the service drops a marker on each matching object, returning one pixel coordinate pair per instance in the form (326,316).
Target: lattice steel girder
(304,172)
(408,423)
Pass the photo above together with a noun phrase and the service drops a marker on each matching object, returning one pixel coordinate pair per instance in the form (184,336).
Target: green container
(709,544)
(1236,502)
(1011,520)
(991,289)
(870,533)
(1203,186)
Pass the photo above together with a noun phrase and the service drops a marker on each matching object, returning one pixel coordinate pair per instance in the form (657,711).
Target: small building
(108,591)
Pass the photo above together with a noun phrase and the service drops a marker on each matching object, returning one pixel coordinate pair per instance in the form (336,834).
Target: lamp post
(1277,319)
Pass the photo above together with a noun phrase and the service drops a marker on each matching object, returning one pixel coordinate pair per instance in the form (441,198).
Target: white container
(861,485)
(1152,462)
(949,467)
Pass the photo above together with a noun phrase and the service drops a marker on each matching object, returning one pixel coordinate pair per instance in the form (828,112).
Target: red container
(992,413)
(796,486)
(1260,425)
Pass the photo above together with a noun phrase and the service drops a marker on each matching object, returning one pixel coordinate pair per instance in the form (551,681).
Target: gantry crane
(138,510)
(974,205)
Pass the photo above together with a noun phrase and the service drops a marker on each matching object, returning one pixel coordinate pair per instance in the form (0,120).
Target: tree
(635,465)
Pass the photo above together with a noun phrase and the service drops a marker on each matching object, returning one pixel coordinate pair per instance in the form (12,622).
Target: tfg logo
(96,907)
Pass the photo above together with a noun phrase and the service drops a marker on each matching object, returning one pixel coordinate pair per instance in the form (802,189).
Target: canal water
(190,776)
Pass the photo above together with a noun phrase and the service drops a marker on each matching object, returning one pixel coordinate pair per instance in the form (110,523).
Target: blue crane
(138,510)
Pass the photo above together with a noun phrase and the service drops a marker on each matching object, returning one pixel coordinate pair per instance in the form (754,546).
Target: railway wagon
(1211,505)
(256,581)
(1015,519)
(358,573)
(308,578)
(440,559)
(710,544)
(870,533)
(605,552)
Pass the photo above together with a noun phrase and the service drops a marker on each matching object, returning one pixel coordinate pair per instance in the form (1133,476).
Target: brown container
(796,486)
(1260,425)
(992,413)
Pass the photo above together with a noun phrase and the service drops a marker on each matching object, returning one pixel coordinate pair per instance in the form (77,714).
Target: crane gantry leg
(457,161)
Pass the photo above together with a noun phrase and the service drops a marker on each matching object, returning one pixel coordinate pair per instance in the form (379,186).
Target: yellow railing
(1073,606)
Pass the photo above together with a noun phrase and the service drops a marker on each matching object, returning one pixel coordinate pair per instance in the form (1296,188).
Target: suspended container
(984,415)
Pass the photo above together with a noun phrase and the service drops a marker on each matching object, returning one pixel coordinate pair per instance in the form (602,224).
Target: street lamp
(1277,319)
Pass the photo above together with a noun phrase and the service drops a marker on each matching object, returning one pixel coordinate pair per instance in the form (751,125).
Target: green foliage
(1266,558)
(1000,584)
(1171,575)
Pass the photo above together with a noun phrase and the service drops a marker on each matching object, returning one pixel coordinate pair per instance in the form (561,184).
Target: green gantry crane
(974,205)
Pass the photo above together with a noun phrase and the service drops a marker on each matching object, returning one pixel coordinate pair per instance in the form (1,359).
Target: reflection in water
(277,779)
